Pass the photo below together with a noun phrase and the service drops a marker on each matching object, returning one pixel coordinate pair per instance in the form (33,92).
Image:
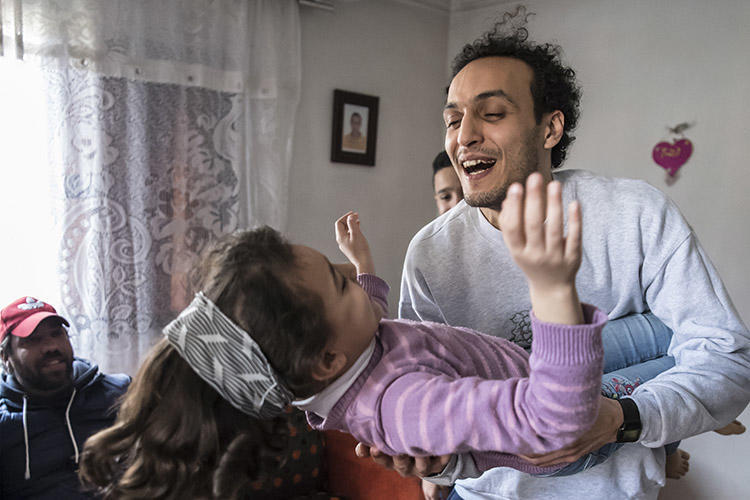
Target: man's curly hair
(553,86)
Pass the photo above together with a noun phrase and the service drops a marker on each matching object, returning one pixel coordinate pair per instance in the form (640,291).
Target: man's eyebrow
(485,95)
(446,190)
(494,93)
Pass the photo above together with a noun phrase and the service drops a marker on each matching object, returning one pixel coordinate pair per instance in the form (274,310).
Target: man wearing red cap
(50,403)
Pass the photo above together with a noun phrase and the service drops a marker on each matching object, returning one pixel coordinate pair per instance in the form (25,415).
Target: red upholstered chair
(302,471)
(323,466)
(360,478)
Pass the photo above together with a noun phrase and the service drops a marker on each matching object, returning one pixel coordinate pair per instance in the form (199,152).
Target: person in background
(50,403)
(445,183)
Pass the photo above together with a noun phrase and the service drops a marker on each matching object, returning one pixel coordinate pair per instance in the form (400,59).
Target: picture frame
(355,128)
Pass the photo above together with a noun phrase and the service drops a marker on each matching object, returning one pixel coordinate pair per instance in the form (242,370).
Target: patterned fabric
(170,124)
(148,180)
(302,473)
(228,359)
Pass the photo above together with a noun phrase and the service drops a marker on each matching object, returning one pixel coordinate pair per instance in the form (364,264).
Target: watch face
(631,435)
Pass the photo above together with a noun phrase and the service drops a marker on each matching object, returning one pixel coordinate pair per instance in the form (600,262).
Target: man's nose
(470,131)
(49,344)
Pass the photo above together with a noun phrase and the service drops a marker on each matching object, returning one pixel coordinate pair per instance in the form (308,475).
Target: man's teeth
(472,163)
(472,166)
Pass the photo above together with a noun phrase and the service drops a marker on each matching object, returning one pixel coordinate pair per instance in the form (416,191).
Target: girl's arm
(353,243)
(377,289)
(423,413)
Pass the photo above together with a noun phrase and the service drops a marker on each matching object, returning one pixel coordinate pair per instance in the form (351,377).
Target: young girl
(277,323)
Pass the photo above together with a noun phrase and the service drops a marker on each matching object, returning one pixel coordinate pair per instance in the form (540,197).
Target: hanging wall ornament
(672,155)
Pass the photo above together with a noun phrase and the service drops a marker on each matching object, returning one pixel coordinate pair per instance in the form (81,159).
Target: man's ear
(7,365)
(329,366)
(554,123)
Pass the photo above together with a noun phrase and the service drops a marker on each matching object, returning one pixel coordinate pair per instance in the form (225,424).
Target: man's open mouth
(473,167)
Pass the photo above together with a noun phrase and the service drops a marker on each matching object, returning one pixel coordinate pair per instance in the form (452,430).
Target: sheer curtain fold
(171,124)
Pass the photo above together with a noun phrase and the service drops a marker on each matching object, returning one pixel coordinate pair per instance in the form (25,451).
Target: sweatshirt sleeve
(710,382)
(425,414)
(376,288)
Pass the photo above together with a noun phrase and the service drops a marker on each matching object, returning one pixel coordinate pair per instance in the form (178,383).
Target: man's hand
(353,243)
(404,464)
(604,431)
(432,491)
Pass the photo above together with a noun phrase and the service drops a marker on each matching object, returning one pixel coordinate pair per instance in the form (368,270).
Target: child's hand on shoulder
(353,243)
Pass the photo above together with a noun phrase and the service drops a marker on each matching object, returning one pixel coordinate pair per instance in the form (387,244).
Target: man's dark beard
(529,164)
(493,200)
(34,379)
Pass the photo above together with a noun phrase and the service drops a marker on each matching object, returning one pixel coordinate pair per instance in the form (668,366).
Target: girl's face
(351,315)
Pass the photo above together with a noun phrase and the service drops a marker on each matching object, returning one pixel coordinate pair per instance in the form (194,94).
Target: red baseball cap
(22,316)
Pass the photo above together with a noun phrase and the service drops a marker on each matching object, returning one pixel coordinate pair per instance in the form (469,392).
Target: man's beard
(492,199)
(35,379)
(526,164)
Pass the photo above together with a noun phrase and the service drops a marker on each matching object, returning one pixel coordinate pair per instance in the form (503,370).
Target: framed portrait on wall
(355,127)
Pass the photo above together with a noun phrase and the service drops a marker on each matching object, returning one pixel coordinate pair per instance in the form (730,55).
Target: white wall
(644,65)
(394,51)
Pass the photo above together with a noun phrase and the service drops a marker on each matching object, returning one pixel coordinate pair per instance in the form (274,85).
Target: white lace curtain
(170,123)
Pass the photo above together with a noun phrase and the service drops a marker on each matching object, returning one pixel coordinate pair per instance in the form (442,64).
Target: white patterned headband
(227,358)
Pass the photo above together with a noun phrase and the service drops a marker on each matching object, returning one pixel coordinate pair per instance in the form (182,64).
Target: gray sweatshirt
(639,254)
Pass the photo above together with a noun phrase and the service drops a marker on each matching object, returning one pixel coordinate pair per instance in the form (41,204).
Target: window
(28,258)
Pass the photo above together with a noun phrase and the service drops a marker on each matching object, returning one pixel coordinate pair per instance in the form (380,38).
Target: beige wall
(394,51)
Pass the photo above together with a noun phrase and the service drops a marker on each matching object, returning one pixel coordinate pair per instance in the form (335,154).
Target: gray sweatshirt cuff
(650,421)
(458,467)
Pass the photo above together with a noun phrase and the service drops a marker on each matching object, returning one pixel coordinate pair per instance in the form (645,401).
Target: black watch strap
(631,427)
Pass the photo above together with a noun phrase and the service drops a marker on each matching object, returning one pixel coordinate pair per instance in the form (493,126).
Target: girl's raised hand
(353,243)
(532,227)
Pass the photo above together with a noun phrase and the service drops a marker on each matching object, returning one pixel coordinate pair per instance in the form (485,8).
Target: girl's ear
(330,365)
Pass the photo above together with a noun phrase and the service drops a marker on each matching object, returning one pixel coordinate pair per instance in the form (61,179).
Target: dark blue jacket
(51,453)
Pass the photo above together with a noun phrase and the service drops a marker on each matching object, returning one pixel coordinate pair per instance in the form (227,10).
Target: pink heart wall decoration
(672,156)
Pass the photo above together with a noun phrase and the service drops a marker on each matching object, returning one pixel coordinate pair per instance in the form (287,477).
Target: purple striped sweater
(433,389)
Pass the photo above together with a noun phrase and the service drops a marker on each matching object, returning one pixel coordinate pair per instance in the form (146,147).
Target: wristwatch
(631,427)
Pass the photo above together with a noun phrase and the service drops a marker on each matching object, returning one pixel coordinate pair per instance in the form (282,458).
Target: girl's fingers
(352,222)
(573,240)
(340,228)
(512,217)
(553,224)
(341,225)
(534,212)
(343,217)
